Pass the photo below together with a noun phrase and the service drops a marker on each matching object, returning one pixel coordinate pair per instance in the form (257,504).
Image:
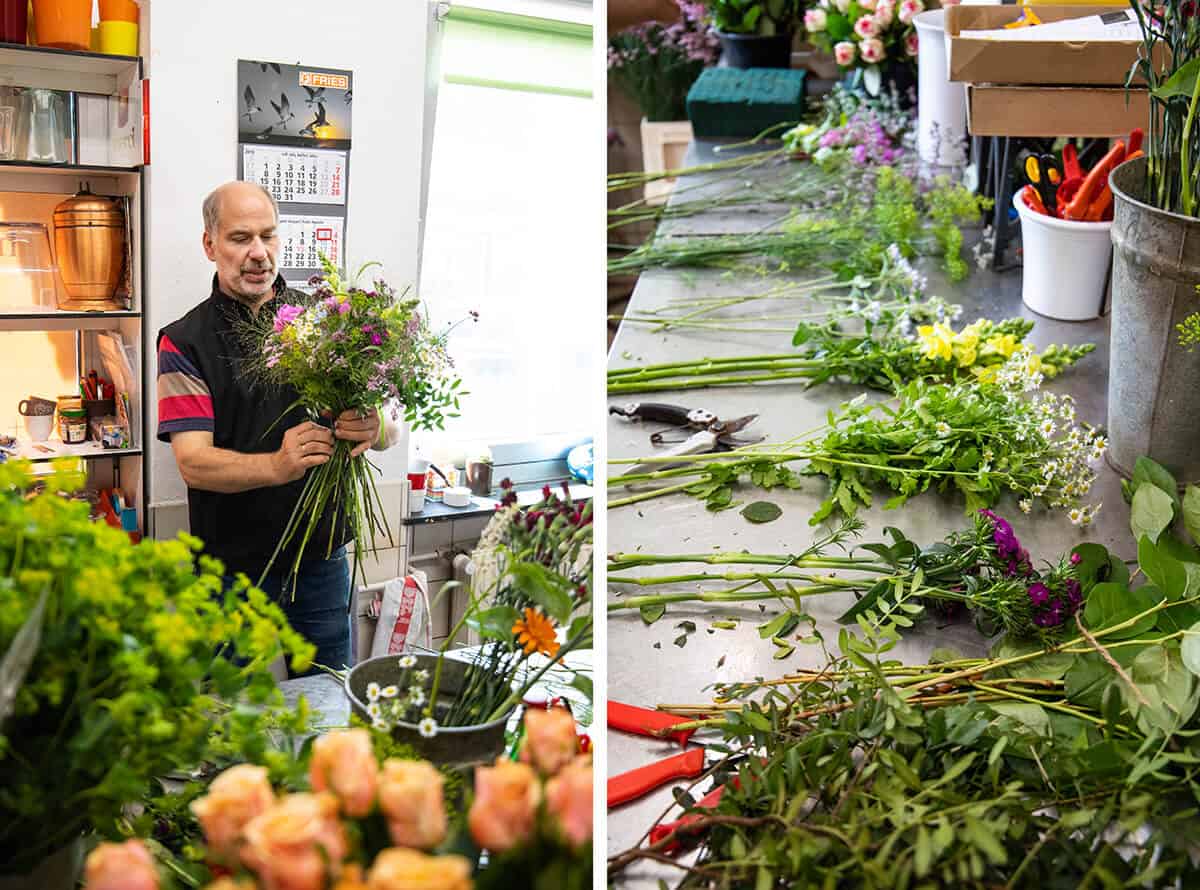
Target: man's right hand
(305,445)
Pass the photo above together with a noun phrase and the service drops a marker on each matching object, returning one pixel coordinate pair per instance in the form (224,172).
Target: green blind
(515,52)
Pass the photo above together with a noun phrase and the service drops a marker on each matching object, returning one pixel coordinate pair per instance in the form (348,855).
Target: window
(509,224)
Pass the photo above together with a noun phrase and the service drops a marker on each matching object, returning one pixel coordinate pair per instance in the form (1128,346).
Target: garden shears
(711,434)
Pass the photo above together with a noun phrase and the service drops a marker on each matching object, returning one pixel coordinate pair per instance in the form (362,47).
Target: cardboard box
(1055,111)
(1103,63)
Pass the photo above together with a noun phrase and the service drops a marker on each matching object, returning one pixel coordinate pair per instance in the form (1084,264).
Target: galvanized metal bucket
(1153,382)
(453,745)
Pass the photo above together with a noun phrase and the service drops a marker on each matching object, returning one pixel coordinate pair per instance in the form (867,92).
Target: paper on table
(1117,26)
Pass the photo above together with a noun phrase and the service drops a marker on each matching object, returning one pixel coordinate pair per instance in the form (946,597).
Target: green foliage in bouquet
(762,17)
(122,663)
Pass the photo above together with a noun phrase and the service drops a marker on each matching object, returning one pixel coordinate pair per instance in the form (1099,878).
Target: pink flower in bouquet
(294,845)
(868,5)
(127,866)
(866,27)
(815,20)
(569,800)
(911,44)
(844,53)
(410,795)
(550,739)
(885,13)
(397,869)
(235,797)
(344,762)
(506,801)
(908,9)
(286,314)
(872,50)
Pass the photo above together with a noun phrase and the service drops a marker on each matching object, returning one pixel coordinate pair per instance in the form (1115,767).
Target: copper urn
(89,239)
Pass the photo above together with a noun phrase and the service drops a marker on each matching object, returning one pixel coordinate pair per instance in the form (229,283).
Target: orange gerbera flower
(536,633)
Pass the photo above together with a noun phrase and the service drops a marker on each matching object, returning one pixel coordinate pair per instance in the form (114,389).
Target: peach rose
(908,9)
(231,884)
(550,739)
(885,13)
(866,27)
(410,795)
(234,798)
(293,845)
(569,800)
(815,20)
(399,869)
(344,762)
(844,53)
(506,802)
(872,50)
(127,866)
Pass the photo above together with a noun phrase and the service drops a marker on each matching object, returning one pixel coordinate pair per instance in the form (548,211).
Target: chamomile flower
(1038,490)
(421,676)
(988,454)
(416,697)
(942,428)
(374,710)
(428,728)
(381,725)
(372,692)
(1075,515)
(1025,504)
(1047,428)
(408,661)
(389,691)
(1049,468)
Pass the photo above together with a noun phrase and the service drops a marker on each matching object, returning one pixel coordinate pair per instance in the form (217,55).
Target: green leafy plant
(762,17)
(143,667)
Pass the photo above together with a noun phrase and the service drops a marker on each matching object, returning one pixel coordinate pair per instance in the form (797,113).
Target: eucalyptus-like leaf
(19,657)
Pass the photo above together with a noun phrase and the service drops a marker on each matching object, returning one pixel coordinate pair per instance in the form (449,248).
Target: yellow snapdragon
(936,340)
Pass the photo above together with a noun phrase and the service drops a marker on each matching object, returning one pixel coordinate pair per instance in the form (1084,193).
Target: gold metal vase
(89,239)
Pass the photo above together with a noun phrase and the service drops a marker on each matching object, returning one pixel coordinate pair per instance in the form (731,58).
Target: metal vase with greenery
(1154,404)
(756,33)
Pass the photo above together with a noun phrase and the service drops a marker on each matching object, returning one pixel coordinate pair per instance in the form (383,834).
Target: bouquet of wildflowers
(363,824)
(532,579)
(348,348)
(872,131)
(657,64)
(864,33)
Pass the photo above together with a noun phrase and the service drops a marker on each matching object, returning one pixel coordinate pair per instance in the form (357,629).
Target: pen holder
(94,408)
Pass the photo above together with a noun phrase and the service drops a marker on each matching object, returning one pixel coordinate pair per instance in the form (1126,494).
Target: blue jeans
(320,611)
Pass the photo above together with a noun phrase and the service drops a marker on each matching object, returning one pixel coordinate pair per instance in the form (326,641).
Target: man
(244,466)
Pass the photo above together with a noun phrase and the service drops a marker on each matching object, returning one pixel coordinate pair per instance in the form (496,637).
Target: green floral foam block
(742,102)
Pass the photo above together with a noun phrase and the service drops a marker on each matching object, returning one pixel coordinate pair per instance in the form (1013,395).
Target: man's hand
(305,445)
(362,428)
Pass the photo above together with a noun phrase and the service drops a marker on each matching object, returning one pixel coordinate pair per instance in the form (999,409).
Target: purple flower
(1074,592)
(1076,559)
(287,314)
(376,340)
(1039,593)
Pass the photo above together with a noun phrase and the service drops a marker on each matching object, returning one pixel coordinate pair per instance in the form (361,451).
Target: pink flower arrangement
(865,33)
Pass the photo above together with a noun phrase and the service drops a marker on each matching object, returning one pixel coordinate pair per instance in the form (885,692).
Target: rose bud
(506,802)
(235,797)
(127,866)
(410,795)
(550,739)
(344,762)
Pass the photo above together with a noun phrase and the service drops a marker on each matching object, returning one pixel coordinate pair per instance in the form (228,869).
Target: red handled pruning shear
(655,724)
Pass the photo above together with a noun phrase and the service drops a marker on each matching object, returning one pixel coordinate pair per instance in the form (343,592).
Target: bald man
(244,466)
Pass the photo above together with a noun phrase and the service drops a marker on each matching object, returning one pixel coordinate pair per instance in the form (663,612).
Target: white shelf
(56,69)
(31,318)
(86,451)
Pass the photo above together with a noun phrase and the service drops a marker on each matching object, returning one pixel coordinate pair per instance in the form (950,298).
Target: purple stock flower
(1039,593)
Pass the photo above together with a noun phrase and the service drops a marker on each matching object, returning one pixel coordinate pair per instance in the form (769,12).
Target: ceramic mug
(39,426)
(35,406)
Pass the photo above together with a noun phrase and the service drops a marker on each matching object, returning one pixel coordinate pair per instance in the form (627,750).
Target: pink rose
(506,802)
(908,9)
(344,762)
(910,44)
(815,20)
(297,843)
(866,27)
(127,866)
(872,50)
(569,800)
(885,13)
(234,798)
(844,52)
(410,795)
(287,314)
(550,739)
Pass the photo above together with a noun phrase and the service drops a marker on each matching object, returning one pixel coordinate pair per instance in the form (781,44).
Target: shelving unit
(27,188)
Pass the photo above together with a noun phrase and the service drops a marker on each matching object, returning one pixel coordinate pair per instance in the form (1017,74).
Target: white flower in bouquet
(911,43)
(872,50)
(824,4)
(885,13)
(868,5)
(814,20)
(866,27)
(908,9)
(842,5)
(844,53)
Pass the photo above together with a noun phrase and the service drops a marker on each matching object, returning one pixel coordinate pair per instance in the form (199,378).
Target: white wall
(191,57)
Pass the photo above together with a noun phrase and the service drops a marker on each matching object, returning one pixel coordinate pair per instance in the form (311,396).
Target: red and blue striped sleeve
(184,400)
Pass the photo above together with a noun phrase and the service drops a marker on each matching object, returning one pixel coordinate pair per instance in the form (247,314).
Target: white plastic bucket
(941,105)
(1066,264)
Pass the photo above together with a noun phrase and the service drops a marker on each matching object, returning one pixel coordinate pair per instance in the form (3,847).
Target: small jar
(72,425)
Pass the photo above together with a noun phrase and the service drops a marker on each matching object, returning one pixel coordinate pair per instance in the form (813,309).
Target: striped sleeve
(184,400)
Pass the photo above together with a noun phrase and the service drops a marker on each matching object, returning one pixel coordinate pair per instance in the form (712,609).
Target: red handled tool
(680,826)
(654,724)
(643,721)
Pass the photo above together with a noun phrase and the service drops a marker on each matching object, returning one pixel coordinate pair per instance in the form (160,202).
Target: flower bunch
(114,663)
(347,348)
(366,825)
(872,131)
(657,64)
(864,33)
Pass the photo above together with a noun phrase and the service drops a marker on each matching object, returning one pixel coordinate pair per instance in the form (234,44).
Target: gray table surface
(639,673)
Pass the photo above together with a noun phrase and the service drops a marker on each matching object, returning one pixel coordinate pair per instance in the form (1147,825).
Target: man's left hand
(360,427)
